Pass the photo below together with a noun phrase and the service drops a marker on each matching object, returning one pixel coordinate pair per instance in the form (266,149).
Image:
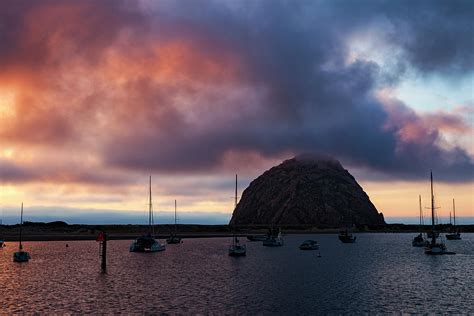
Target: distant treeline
(63,227)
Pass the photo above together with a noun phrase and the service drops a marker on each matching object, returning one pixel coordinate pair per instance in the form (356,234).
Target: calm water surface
(380,273)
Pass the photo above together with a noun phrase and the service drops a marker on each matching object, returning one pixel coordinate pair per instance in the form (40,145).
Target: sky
(95,96)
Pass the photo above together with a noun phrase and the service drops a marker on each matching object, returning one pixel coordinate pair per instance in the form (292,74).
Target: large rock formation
(306,190)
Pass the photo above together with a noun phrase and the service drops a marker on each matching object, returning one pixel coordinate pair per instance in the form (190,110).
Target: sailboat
(456,235)
(174,239)
(236,249)
(273,240)
(20,255)
(346,237)
(147,243)
(435,248)
(419,241)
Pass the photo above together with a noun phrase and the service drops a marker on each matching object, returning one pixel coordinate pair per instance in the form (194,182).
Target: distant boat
(174,239)
(456,235)
(236,249)
(346,237)
(147,243)
(20,255)
(419,241)
(309,245)
(272,240)
(257,237)
(435,248)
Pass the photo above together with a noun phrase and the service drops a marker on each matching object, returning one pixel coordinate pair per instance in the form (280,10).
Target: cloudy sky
(95,96)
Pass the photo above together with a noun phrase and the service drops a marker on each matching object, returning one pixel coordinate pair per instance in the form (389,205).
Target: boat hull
(21,256)
(309,245)
(237,251)
(423,243)
(273,243)
(456,236)
(257,237)
(146,244)
(438,249)
(347,239)
(174,240)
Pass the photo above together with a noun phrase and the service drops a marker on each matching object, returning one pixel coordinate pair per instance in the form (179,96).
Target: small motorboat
(237,249)
(309,245)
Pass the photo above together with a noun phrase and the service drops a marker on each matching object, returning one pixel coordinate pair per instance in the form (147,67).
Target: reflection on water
(380,273)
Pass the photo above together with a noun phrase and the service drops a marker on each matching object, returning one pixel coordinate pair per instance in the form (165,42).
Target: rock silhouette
(306,190)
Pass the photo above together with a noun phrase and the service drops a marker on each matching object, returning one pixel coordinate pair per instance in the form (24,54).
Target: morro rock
(306,190)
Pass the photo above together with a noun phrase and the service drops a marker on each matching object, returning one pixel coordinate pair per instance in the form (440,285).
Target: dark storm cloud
(313,101)
(200,79)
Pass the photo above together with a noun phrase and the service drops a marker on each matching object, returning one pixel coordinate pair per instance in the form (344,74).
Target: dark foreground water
(380,273)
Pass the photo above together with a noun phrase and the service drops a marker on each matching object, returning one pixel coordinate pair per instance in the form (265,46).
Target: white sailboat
(236,249)
(20,255)
(147,243)
(419,241)
(456,235)
(434,247)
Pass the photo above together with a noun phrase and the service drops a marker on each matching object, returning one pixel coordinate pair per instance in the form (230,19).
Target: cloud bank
(197,86)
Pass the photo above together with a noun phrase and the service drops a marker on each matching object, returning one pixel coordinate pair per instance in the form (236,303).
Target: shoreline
(61,231)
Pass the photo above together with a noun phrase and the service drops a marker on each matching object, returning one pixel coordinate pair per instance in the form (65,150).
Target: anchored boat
(419,241)
(272,240)
(346,237)
(236,249)
(456,235)
(20,255)
(434,247)
(147,243)
(174,238)
(309,245)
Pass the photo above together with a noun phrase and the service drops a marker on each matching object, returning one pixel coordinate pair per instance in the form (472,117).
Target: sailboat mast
(421,213)
(235,207)
(454,213)
(235,191)
(21,224)
(433,239)
(149,207)
(175,223)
